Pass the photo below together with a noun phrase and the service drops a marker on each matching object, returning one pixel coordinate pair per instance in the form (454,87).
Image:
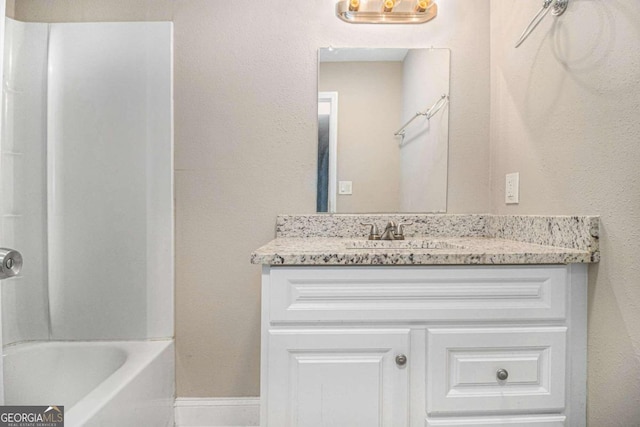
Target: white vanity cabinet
(395,346)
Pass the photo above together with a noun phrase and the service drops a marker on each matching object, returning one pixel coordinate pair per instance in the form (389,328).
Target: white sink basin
(402,244)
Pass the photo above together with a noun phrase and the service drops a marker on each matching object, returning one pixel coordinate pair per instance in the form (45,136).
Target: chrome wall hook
(560,7)
(556,7)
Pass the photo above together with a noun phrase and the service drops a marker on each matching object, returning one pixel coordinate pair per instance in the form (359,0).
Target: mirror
(365,97)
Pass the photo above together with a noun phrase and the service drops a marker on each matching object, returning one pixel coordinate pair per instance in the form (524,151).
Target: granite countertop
(447,239)
(472,250)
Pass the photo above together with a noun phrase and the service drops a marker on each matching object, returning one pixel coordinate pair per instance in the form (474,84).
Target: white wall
(564,110)
(245,146)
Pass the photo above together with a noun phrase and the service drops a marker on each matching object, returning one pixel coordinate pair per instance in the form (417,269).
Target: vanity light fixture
(386,11)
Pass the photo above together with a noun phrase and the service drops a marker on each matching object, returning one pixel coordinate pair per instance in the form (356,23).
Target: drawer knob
(401,360)
(502,374)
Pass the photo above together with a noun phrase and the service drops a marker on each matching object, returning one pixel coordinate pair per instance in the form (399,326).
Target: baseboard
(217,412)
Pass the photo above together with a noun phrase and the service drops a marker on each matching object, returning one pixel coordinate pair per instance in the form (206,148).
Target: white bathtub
(118,383)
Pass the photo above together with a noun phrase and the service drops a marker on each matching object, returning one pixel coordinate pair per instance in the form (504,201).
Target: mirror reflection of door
(327,151)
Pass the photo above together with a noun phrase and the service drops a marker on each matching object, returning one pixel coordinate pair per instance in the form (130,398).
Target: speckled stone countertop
(447,239)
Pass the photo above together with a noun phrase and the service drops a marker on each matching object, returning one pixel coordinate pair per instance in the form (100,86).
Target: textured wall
(565,115)
(245,147)
(369,100)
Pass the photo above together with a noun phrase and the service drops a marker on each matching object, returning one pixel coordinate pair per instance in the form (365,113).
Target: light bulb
(387,5)
(422,5)
(354,5)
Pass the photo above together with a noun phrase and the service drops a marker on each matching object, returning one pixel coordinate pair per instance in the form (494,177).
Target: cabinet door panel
(337,378)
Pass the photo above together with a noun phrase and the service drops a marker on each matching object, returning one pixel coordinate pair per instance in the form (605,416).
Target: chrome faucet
(393,231)
(390,231)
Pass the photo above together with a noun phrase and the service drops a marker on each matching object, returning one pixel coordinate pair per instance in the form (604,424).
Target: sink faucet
(390,231)
(393,231)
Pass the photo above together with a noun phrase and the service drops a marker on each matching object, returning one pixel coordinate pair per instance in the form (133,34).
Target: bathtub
(117,383)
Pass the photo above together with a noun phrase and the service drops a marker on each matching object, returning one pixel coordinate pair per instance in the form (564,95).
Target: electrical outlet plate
(345,187)
(512,189)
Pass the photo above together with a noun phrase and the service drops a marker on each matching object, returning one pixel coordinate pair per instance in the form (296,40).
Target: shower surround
(87,185)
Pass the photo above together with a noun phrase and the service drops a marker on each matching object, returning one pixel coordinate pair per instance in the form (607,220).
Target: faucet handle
(399,235)
(374,233)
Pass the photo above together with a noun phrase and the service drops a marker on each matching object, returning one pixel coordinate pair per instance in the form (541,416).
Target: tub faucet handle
(374,233)
(10,263)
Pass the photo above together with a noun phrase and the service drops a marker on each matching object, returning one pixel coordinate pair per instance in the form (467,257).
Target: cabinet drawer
(462,367)
(534,421)
(417,293)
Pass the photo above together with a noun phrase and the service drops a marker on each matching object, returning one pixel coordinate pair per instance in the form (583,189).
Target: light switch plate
(512,189)
(345,187)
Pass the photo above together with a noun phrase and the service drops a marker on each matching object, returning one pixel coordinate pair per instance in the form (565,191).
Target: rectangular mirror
(366,162)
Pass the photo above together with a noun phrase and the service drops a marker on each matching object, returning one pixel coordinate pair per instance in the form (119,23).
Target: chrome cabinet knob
(502,374)
(401,360)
